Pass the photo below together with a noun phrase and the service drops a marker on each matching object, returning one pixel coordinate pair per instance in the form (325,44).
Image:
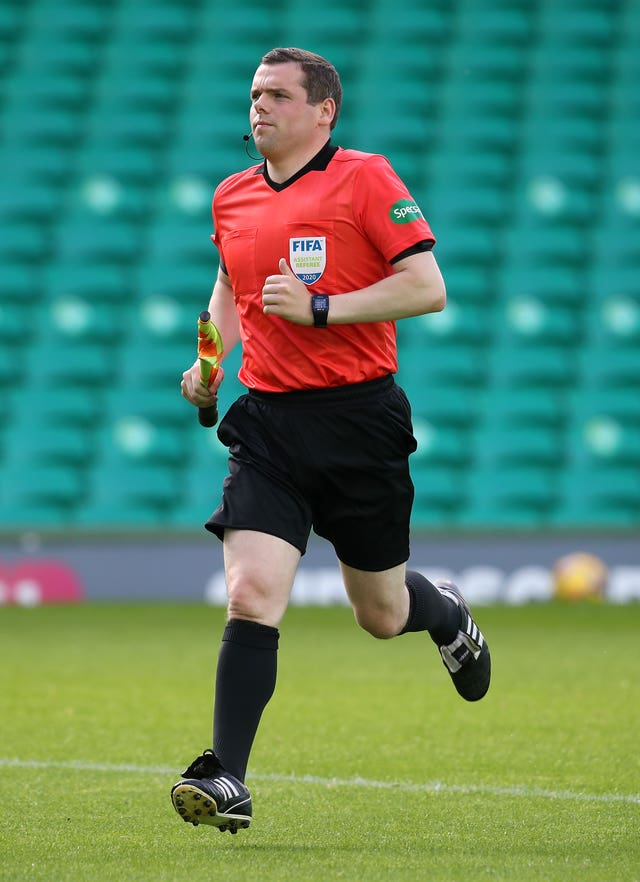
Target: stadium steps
(515,128)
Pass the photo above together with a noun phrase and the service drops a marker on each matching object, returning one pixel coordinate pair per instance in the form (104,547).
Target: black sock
(430,611)
(245,681)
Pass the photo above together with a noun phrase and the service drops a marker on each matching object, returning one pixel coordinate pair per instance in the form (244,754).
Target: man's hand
(286,296)
(193,390)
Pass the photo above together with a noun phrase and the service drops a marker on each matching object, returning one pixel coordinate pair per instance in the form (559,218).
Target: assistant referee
(322,250)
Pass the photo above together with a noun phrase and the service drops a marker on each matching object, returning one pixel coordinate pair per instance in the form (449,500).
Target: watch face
(320,309)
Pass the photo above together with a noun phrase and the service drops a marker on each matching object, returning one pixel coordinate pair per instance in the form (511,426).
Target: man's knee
(248,599)
(257,590)
(383,623)
(380,600)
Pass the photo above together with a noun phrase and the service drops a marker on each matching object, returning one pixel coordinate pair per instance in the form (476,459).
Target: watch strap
(320,310)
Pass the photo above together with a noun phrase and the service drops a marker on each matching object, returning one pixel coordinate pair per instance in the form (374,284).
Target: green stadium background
(516,125)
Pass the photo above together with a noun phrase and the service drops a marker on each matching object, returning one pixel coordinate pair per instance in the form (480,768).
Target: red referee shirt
(338,224)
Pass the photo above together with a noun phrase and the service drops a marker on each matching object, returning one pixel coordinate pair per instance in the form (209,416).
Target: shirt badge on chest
(308,257)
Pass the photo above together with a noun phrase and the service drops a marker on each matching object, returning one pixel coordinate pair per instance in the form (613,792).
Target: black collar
(319,163)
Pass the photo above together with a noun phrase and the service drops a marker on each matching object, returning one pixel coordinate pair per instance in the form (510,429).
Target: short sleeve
(385,210)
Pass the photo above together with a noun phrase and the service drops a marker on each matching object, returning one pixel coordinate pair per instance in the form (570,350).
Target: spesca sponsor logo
(404,211)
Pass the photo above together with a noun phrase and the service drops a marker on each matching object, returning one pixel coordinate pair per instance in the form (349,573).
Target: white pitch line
(440,787)
(398,786)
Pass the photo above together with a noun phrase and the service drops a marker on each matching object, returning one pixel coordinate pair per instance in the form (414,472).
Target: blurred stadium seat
(514,496)
(517,128)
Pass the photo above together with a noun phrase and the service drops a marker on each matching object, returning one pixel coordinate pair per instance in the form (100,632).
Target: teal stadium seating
(516,124)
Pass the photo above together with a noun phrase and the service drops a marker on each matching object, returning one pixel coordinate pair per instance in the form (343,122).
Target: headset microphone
(246,139)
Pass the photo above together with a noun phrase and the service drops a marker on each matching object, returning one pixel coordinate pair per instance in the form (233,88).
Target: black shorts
(335,460)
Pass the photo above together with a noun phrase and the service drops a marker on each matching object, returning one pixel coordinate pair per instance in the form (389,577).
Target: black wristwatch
(320,310)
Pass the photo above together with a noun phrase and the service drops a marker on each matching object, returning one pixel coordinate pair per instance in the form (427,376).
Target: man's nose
(260,103)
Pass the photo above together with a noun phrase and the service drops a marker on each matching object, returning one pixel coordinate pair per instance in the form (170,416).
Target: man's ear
(327,111)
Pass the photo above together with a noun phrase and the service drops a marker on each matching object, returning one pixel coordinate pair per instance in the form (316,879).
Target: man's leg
(396,601)
(259,570)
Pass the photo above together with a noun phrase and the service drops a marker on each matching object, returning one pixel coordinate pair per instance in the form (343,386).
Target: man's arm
(415,288)
(224,315)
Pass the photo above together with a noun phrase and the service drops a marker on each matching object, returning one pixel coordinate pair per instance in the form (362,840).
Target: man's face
(282,120)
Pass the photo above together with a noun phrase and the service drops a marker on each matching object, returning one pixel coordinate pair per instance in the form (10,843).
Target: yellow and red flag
(210,352)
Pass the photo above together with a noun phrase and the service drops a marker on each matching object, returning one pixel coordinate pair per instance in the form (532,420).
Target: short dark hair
(321,79)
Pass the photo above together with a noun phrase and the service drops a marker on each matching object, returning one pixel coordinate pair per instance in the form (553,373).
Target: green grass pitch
(368,765)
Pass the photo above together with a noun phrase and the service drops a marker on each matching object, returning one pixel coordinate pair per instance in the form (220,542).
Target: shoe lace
(204,766)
